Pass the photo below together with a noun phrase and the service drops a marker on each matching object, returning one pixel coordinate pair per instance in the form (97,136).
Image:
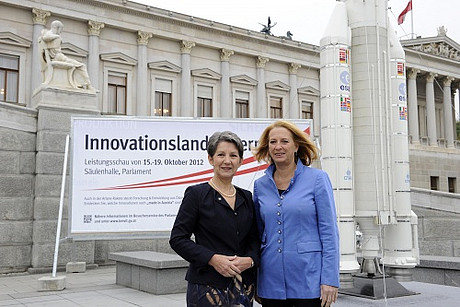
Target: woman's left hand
(242,263)
(328,295)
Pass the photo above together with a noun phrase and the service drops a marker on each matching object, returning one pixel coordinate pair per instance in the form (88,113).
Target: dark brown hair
(225,136)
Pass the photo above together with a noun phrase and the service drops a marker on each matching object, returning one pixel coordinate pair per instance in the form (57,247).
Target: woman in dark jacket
(224,253)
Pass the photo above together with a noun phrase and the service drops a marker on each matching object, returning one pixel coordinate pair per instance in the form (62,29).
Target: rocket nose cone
(337,30)
(396,49)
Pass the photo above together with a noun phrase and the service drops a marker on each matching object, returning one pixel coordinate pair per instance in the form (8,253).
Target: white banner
(129,174)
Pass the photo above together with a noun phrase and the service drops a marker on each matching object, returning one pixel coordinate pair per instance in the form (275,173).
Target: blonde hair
(307,151)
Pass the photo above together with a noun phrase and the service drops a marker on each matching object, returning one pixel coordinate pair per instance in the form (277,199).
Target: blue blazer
(299,235)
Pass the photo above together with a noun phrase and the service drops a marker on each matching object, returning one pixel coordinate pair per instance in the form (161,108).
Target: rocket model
(336,131)
(364,137)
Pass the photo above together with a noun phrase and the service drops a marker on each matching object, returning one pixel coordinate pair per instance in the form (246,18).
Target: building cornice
(206,73)
(308,90)
(439,46)
(427,62)
(154,16)
(244,79)
(71,49)
(118,57)
(165,66)
(10,38)
(277,85)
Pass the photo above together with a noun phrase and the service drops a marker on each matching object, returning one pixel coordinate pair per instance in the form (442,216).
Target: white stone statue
(442,31)
(58,69)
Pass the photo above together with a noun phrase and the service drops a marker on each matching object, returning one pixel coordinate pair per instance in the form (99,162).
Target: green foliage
(458,130)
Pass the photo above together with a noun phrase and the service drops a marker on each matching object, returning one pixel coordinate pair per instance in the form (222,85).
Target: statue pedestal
(55,108)
(77,99)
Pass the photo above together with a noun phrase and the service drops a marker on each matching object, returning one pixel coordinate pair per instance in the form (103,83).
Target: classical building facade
(146,61)
(432,80)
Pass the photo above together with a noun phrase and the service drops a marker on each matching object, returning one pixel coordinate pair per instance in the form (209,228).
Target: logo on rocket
(402,113)
(400,69)
(402,92)
(347,175)
(345,79)
(344,54)
(345,104)
(407,180)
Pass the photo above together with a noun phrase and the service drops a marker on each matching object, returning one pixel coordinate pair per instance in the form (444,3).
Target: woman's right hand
(224,265)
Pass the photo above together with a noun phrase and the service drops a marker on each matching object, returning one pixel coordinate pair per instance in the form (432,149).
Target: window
(204,101)
(439,115)
(9,78)
(309,107)
(204,107)
(276,107)
(434,183)
(162,104)
(163,89)
(117,93)
(307,110)
(422,121)
(452,182)
(242,104)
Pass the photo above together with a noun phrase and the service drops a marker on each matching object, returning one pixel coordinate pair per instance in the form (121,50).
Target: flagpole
(412,19)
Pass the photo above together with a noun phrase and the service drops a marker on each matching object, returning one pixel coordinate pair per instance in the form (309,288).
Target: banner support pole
(61,204)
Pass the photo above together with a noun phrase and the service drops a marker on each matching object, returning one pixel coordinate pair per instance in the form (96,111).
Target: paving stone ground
(97,287)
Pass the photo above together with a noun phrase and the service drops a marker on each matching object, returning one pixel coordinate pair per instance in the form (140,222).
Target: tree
(458,130)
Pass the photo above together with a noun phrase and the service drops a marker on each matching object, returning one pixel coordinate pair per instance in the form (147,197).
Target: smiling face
(225,161)
(281,146)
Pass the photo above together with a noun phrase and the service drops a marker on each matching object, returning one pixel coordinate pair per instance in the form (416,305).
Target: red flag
(404,12)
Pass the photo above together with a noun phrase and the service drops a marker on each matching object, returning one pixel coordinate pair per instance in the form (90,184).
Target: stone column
(454,89)
(186,96)
(94,30)
(142,75)
(447,105)
(226,104)
(430,110)
(294,106)
(412,105)
(261,111)
(39,20)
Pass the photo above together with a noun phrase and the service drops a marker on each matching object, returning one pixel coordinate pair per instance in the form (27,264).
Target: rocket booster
(400,248)
(336,128)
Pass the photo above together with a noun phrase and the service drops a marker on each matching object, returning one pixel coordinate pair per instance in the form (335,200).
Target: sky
(307,19)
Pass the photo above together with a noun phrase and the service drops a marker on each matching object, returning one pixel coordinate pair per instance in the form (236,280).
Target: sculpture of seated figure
(54,61)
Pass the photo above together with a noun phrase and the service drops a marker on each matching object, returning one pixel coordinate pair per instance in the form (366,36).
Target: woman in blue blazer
(296,217)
